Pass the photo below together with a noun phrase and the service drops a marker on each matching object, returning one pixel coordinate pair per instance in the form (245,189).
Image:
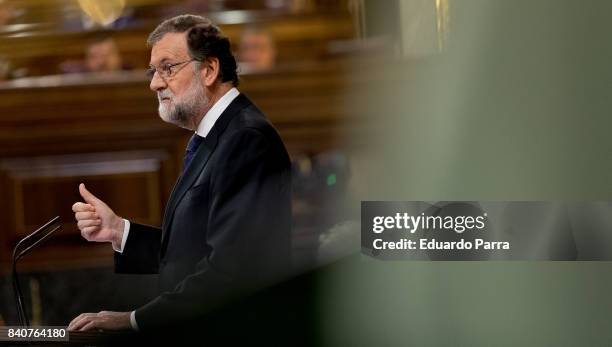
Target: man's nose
(157,83)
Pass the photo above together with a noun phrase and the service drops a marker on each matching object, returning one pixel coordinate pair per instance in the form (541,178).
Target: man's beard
(181,112)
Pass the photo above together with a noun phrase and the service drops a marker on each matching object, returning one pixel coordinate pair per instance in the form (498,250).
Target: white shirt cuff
(126,231)
(133,321)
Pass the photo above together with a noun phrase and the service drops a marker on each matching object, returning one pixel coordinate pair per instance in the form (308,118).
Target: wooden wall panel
(42,187)
(39,188)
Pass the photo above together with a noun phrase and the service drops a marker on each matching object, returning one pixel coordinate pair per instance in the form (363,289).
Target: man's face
(181,96)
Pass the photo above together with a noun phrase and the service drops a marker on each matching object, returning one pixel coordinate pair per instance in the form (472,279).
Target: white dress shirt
(209,120)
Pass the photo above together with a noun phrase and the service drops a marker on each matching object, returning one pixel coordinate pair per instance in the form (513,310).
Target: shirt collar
(210,118)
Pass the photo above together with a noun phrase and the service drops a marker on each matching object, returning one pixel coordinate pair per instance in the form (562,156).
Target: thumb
(87,196)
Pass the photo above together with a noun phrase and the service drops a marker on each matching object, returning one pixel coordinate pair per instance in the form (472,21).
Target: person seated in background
(256,50)
(101,55)
(5,69)
(7,13)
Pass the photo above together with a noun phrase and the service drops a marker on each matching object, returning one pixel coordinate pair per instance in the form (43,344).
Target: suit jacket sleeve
(141,252)
(248,230)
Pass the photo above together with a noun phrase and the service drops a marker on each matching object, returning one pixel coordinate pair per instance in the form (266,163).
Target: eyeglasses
(167,71)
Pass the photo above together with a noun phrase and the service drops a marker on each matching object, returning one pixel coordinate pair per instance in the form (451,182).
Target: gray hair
(204,40)
(178,24)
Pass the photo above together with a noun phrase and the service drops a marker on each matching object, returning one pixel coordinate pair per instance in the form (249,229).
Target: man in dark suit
(226,228)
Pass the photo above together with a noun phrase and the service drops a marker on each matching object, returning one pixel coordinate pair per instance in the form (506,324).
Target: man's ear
(210,74)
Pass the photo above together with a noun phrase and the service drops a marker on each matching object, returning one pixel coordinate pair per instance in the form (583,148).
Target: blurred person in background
(256,50)
(101,55)
(7,13)
(5,69)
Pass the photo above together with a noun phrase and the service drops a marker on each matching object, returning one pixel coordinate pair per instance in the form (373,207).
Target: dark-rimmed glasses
(167,71)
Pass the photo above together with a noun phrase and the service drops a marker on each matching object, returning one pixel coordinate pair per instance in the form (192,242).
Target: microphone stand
(22,248)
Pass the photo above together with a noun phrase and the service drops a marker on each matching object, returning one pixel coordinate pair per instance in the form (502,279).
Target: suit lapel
(198,163)
(185,181)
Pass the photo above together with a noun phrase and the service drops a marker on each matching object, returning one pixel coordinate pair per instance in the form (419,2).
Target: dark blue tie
(192,147)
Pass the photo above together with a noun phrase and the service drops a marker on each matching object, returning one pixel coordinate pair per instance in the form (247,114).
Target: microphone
(22,248)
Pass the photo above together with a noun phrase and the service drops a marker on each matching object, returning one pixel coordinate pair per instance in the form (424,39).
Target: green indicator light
(331,179)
